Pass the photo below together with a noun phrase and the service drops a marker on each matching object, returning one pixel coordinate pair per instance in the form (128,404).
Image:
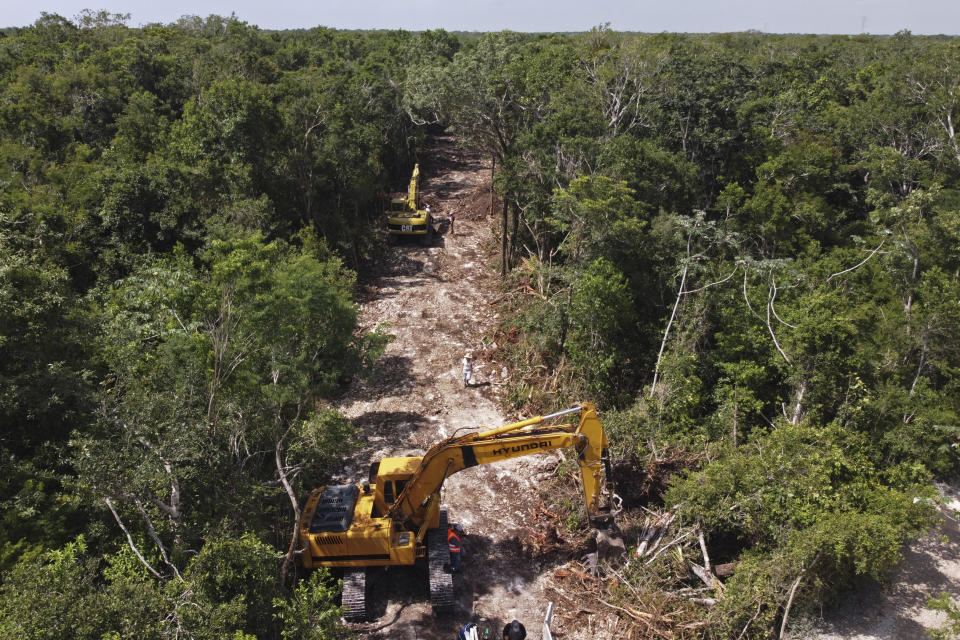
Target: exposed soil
(437,302)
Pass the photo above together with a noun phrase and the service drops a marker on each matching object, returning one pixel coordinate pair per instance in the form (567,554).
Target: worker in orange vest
(455,544)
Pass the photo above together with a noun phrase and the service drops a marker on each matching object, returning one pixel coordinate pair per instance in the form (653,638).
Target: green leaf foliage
(308,614)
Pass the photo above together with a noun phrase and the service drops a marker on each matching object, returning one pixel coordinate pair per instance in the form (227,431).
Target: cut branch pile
(641,599)
(610,604)
(543,536)
(660,589)
(652,534)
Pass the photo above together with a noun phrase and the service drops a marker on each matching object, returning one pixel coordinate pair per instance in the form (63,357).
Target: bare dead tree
(689,259)
(133,546)
(156,538)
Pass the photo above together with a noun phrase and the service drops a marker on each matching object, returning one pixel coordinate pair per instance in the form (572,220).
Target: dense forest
(744,248)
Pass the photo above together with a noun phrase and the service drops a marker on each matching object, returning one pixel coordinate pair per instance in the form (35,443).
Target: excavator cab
(390,479)
(398,206)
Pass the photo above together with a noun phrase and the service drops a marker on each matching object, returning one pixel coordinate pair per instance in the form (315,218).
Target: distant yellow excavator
(395,517)
(406,218)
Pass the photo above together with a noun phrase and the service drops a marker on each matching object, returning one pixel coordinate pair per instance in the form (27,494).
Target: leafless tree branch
(859,264)
(156,539)
(774,336)
(773,282)
(133,546)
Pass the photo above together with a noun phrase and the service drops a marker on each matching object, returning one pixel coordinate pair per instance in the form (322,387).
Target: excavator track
(438,555)
(355,594)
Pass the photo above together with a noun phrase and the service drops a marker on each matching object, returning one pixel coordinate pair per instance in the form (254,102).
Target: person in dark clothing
(514,631)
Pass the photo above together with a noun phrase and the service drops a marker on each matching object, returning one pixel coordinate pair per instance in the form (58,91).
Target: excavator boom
(413,191)
(512,441)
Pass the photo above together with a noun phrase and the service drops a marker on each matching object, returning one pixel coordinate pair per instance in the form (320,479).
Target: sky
(921,17)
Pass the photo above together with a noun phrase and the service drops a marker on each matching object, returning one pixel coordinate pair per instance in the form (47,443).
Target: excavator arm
(413,191)
(417,503)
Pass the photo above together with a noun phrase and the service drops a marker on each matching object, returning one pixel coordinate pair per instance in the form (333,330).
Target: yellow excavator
(406,218)
(394,517)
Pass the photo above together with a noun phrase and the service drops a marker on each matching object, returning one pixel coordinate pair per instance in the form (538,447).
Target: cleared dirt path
(436,301)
